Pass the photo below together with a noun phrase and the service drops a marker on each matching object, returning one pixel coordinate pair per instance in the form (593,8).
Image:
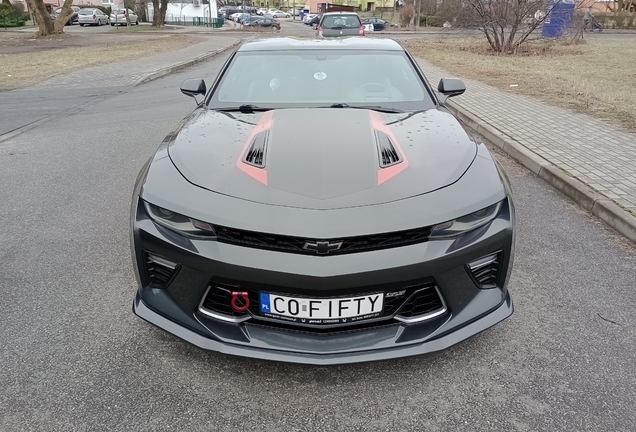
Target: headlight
(466,223)
(175,221)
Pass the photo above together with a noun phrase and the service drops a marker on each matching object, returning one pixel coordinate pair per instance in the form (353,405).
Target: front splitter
(501,313)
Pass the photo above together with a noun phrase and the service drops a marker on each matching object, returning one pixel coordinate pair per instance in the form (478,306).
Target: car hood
(321,158)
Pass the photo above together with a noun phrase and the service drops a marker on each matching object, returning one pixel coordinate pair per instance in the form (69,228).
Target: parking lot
(75,358)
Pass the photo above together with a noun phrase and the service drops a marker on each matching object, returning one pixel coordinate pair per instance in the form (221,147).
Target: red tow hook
(245,300)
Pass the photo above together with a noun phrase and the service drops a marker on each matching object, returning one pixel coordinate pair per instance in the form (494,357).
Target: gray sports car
(389,232)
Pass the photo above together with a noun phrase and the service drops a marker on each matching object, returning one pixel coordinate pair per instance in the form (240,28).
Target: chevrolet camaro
(387,232)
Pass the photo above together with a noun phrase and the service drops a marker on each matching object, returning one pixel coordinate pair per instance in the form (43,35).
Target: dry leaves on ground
(597,77)
(21,69)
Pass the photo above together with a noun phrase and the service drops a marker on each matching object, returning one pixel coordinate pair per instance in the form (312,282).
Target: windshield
(86,12)
(313,78)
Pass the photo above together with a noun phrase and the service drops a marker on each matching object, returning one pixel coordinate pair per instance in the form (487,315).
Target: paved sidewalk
(599,155)
(136,71)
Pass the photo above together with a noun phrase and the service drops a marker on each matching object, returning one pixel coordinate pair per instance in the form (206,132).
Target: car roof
(340,13)
(351,43)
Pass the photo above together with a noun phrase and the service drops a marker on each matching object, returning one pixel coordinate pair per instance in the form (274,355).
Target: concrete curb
(599,205)
(182,65)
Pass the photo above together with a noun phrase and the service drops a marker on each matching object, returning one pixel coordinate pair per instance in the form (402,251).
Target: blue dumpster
(558,19)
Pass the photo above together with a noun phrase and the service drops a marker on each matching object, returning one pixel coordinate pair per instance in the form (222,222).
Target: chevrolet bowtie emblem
(322,247)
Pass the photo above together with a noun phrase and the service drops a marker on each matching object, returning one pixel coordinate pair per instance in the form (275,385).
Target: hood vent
(387,153)
(255,155)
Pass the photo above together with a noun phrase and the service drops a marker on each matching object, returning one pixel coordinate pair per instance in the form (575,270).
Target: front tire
(137,22)
(81,25)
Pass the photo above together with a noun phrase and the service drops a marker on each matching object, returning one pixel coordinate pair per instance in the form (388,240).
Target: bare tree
(128,4)
(407,12)
(46,25)
(159,9)
(509,23)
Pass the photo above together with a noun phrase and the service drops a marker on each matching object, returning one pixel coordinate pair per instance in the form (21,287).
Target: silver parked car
(335,24)
(118,16)
(92,17)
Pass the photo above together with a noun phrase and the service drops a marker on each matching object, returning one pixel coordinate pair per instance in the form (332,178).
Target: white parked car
(92,17)
(279,14)
(235,16)
(118,16)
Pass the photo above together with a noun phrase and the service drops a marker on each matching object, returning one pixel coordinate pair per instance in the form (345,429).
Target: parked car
(263,22)
(92,17)
(314,21)
(118,16)
(335,24)
(262,11)
(378,23)
(279,14)
(309,17)
(227,13)
(377,239)
(242,17)
(72,20)
(251,19)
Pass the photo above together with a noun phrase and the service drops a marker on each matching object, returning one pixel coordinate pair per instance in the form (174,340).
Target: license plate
(321,311)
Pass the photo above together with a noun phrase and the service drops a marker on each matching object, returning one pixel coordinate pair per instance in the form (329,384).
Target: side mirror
(193,87)
(449,87)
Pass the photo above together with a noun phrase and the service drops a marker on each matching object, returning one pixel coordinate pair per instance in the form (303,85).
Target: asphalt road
(73,357)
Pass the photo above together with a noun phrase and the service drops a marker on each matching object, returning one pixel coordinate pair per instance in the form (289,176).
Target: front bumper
(497,315)
(176,305)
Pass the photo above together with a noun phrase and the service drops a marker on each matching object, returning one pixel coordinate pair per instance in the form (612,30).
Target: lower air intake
(485,271)
(422,305)
(160,271)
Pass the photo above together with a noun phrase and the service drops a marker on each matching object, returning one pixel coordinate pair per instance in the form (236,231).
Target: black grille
(388,155)
(296,244)
(409,300)
(160,270)
(256,153)
(485,271)
(423,302)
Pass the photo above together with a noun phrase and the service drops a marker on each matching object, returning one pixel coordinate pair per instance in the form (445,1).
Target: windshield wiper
(244,109)
(367,107)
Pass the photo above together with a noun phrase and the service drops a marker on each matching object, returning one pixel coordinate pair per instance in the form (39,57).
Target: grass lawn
(23,68)
(597,77)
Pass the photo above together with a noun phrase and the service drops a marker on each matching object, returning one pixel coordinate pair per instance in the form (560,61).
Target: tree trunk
(63,17)
(156,18)
(127,6)
(42,17)
(163,9)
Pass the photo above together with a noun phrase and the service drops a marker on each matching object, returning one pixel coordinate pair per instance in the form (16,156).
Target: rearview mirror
(193,87)
(449,87)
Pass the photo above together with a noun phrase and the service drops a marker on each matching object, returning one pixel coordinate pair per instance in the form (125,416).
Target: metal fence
(195,21)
